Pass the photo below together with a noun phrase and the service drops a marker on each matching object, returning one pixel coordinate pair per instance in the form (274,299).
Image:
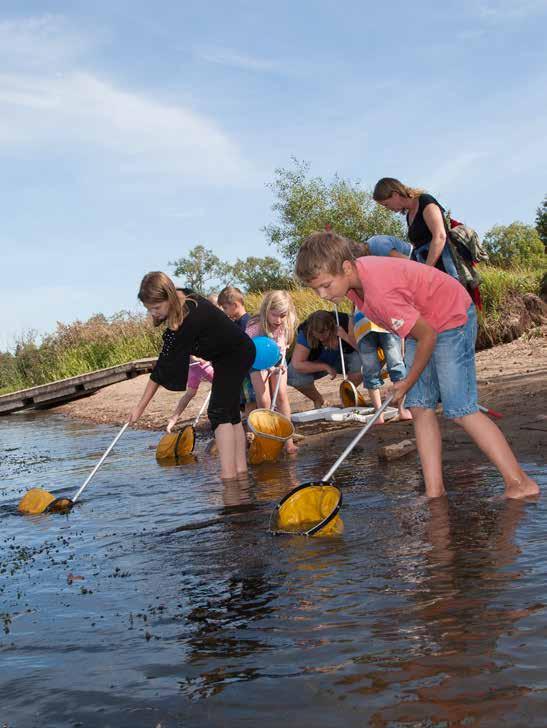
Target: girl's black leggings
(230,371)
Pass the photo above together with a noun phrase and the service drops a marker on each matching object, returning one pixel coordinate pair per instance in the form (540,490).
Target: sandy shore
(512,380)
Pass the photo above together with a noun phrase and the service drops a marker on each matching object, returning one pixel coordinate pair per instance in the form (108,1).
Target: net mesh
(309,506)
(175,445)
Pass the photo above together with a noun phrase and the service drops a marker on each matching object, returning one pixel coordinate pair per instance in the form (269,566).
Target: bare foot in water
(291,448)
(524,488)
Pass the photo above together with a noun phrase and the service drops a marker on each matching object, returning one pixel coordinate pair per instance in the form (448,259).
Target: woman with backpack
(425,220)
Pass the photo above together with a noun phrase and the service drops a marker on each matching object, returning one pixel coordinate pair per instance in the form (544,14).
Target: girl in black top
(195,326)
(426,225)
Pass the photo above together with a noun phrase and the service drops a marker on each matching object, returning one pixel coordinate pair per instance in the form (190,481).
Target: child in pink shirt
(436,314)
(199,371)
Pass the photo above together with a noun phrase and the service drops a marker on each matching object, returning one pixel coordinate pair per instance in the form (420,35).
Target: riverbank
(512,380)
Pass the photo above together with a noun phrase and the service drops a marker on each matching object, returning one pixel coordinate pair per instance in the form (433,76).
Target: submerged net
(175,445)
(271,431)
(35,501)
(310,509)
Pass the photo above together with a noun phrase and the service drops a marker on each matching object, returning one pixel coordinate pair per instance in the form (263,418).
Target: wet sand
(512,380)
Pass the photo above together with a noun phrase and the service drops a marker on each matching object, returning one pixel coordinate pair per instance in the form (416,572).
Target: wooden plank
(73,387)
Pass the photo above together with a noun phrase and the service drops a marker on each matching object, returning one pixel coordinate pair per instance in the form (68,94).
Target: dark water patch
(162,599)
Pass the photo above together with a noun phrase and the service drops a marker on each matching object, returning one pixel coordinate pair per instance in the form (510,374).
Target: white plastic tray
(315,414)
(359,414)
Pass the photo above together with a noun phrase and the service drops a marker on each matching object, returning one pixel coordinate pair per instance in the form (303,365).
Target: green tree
(200,268)
(261,274)
(306,204)
(541,222)
(514,245)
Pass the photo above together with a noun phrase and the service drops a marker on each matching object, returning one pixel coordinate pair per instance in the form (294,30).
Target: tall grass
(78,348)
(101,342)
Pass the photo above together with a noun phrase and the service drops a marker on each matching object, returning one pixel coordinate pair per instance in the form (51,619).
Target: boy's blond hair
(230,294)
(323,252)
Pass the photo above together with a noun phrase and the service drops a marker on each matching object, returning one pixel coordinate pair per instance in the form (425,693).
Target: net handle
(340,343)
(201,411)
(278,383)
(101,461)
(356,439)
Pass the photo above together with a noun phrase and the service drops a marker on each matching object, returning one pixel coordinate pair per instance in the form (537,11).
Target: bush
(515,245)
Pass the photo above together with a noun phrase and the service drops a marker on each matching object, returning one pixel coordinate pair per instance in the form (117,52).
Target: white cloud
(507,10)
(45,41)
(227,57)
(48,102)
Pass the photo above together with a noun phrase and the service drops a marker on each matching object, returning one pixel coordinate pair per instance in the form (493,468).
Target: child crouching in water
(276,319)
(195,326)
(200,371)
(436,313)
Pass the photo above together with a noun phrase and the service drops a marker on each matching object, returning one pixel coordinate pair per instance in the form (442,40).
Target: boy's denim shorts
(449,376)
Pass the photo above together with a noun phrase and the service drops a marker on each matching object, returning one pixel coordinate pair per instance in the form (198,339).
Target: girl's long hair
(156,287)
(320,322)
(281,302)
(387,186)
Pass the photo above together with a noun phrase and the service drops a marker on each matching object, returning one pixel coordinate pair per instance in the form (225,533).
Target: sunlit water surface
(162,600)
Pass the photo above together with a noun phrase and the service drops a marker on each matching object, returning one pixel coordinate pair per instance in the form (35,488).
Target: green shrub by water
(102,342)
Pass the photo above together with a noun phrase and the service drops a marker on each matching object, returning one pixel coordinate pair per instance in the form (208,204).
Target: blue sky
(131,131)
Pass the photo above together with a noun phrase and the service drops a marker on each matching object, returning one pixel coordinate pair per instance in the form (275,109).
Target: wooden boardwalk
(50,395)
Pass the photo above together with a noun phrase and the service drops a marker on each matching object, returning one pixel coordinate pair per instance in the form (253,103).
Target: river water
(162,600)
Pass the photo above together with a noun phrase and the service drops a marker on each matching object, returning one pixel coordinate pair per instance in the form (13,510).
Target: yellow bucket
(271,431)
(350,396)
(176,445)
(310,509)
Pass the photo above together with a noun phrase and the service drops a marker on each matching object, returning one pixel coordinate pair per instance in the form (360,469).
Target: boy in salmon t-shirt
(437,315)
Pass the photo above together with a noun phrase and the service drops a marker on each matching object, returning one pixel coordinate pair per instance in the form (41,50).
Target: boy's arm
(181,406)
(426,338)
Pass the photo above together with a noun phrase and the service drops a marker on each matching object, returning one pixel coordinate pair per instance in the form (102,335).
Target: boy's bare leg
(491,440)
(376,400)
(404,413)
(429,444)
(226,443)
(240,450)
